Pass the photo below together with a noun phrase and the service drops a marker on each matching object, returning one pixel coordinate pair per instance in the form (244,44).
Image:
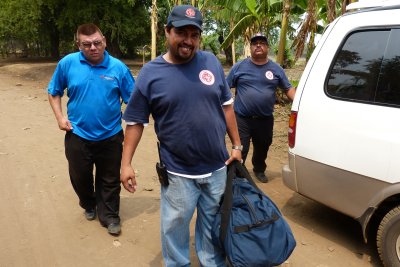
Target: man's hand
(236,154)
(64,124)
(128,178)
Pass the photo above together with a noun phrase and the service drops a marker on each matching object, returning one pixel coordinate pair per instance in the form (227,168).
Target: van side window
(366,69)
(389,81)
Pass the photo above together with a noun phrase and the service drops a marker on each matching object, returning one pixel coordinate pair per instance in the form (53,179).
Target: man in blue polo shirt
(95,83)
(186,93)
(256,79)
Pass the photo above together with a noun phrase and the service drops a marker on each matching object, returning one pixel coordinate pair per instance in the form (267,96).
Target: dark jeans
(101,191)
(260,131)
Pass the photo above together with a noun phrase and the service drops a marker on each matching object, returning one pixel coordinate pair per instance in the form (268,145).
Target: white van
(344,129)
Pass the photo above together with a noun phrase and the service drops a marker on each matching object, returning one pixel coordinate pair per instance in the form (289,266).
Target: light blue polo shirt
(95,94)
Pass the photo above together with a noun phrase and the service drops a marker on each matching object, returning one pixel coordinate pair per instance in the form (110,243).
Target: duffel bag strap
(242,172)
(226,205)
(235,169)
(248,227)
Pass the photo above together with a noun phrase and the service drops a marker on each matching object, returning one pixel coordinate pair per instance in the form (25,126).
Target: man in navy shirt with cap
(186,93)
(256,79)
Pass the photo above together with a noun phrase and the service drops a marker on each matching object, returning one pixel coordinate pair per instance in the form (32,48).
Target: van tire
(388,238)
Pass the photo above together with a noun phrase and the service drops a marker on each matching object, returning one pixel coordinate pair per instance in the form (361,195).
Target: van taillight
(292,129)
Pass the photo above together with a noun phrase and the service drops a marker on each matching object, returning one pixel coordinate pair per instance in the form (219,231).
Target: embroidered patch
(107,78)
(207,77)
(190,13)
(269,75)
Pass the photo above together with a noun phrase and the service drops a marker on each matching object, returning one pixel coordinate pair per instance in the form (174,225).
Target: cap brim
(183,23)
(259,38)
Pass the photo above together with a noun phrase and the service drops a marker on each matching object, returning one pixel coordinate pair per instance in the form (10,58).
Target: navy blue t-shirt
(185,101)
(255,86)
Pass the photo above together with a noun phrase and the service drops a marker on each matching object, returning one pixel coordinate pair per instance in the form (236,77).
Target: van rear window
(366,69)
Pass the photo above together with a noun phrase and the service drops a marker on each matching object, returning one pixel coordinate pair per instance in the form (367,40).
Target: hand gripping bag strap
(235,169)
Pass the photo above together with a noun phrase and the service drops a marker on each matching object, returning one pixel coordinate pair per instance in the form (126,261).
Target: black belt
(254,117)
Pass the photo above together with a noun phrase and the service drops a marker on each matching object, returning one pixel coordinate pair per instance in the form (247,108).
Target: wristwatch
(238,147)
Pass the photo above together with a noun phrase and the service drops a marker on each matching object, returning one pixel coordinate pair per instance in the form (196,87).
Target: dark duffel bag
(249,227)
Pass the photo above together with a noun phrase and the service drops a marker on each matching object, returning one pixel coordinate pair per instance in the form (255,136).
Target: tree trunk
(331,10)
(345,3)
(228,55)
(282,37)
(114,48)
(232,24)
(54,43)
(309,25)
(311,45)
(154,21)
(48,28)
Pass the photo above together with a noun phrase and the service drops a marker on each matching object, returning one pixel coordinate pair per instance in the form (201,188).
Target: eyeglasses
(88,45)
(262,43)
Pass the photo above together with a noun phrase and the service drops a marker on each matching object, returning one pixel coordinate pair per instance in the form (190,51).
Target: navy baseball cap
(259,36)
(184,15)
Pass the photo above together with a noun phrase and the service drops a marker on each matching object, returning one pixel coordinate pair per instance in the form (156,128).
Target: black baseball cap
(184,15)
(259,36)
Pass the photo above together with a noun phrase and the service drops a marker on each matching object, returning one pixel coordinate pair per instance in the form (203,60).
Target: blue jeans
(178,203)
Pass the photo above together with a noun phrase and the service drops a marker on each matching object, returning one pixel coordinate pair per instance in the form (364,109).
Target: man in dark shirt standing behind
(256,79)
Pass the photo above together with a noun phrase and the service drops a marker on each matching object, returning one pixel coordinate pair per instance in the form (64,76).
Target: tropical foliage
(46,27)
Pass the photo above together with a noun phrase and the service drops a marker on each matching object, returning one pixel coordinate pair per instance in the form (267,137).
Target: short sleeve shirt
(185,101)
(255,87)
(94,92)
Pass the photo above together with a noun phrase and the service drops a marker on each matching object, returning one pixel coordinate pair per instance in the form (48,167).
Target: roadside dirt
(41,223)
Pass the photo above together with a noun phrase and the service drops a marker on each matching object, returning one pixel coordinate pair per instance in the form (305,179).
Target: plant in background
(288,58)
(210,43)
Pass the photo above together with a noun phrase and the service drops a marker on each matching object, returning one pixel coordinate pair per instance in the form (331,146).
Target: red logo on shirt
(207,77)
(269,75)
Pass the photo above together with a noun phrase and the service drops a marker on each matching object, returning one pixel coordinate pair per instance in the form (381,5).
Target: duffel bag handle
(241,171)
(235,169)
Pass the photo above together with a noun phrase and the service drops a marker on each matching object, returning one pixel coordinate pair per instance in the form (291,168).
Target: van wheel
(388,238)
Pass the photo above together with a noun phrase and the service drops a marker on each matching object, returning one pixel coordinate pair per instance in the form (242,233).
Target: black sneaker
(90,214)
(114,228)
(261,177)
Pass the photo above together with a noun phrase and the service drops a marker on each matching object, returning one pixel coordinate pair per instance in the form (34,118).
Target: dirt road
(41,223)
